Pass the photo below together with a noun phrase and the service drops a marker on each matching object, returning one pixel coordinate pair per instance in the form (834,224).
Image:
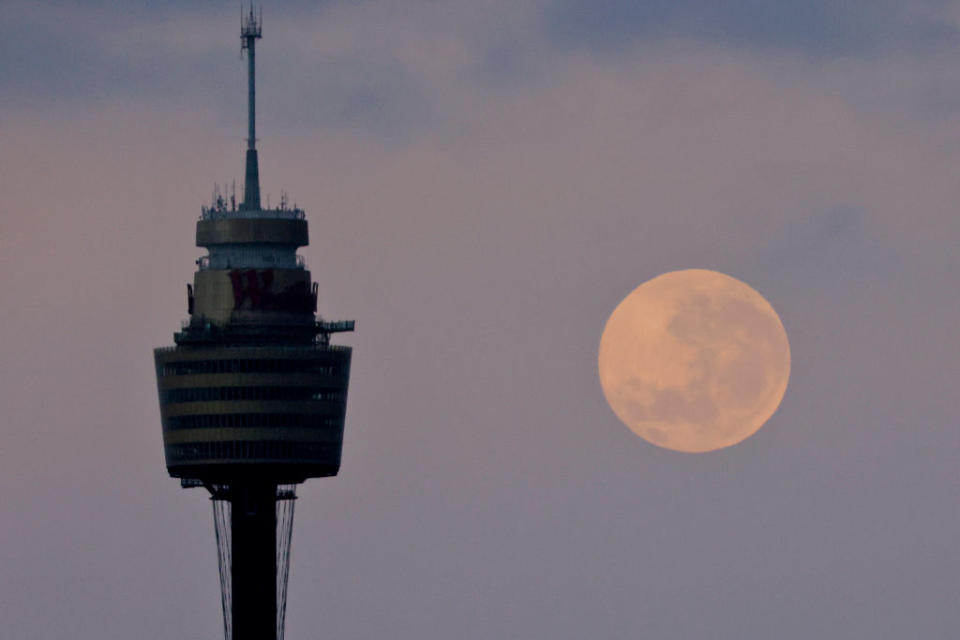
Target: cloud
(372,67)
(95,55)
(392,70)
(817,28)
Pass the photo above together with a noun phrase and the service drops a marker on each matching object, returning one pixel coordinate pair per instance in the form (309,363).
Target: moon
(694,361)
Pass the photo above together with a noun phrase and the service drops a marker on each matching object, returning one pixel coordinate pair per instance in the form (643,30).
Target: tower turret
(252,394)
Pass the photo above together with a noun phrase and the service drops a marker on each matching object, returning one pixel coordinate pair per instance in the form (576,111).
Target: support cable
(221,521)
(286,496)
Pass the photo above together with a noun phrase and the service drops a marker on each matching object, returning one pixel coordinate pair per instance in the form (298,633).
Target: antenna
(250,31)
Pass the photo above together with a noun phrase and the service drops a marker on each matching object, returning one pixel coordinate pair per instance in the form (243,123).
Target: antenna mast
(250,31)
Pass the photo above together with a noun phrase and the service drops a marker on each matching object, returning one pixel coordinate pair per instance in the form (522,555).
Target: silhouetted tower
(253,396)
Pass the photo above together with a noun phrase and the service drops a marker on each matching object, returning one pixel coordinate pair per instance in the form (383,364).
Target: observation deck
(253,388)
(233,412)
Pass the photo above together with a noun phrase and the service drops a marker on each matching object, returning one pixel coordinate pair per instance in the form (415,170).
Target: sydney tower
(253,395)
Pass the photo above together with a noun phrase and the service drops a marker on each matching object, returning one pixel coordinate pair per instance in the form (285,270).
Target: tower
(252,394)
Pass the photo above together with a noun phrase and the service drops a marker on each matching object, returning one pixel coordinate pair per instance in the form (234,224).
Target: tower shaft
(253,530)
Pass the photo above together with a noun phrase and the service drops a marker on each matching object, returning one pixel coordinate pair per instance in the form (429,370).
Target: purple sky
(484,182)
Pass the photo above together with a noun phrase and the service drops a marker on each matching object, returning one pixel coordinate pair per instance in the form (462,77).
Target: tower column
(253,532)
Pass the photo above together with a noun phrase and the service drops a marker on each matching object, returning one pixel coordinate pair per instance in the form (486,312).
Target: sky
(484,182)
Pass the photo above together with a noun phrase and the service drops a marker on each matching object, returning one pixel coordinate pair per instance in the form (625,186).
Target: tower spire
(250,31)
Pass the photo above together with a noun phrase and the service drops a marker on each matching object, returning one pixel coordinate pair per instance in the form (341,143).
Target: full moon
(694,361)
